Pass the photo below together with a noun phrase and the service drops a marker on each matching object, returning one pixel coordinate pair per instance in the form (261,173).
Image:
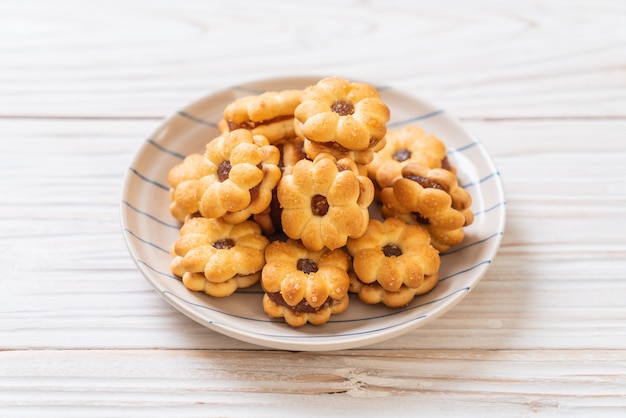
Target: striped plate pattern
(149,230)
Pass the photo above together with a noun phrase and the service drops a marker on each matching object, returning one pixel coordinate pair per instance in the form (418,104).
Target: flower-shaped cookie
(304,286)
(409,145)
(324,202)
(348,113)
(373,293)
(361,158)
(432,198)
(217,258)
(393,253)
(244,173)
(185,185)
(269,114)
(290,153)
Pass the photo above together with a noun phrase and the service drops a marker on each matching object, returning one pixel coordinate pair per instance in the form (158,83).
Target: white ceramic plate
(150,230)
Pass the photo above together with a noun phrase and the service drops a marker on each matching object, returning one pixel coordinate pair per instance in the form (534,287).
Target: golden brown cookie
(290,153)
(217,258)
(304,286)
(432,198)
(409,145)
(244,173)
(361,158)
(324,202)
(185,185)
(269,114)
(393,253)
(337,110)
(374,293)
(269,220)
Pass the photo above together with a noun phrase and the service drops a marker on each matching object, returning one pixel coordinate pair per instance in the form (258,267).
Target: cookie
(350,114)
(324,202)
(290,153)
(374,293)
(269,114)
(217,258)
(185,185)
(432,198)
(362,158)
(408,145)
(393,253)
(244,173)
(269,220)
(303,286)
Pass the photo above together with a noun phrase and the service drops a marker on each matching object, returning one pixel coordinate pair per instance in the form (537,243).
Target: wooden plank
(67,272)
(557,59)
(238,383)
(83,85)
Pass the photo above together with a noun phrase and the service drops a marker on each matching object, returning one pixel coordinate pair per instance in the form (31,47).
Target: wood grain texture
(240,383)
(84,84)
(564,266)
(478,59)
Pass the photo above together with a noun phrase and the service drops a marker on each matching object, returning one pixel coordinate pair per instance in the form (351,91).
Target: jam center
(223,170)
(319,205)
(224,244)
(425,183)
(307,266)
(342,108)
(420,219)
(402,155)
(392,250)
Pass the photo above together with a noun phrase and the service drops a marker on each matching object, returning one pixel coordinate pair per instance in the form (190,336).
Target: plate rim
(315,343)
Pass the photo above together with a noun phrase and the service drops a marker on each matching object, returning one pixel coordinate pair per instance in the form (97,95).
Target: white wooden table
(542,84)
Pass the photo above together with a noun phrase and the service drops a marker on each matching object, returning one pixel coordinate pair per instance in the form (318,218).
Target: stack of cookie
(283,196)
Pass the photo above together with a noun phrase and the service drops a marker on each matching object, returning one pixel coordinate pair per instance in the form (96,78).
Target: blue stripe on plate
(463,148)
(305,336)
(154,218)
(415,118)
(248,90)
(334,335)
(482,212)
(165,150)
(401,310)
(350,334)
(145,241)
(146,179)
(197,119)
(162,273)
(457,249)
(482,180)
(465,270)
(199,305)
